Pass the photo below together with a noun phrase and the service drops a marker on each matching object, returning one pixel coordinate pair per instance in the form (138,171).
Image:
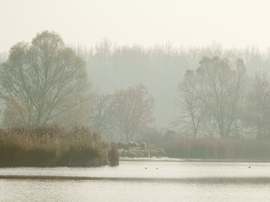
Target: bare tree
(99,117)
(43,81)
(258,106)
(217,88)
(192,110)
(132,110)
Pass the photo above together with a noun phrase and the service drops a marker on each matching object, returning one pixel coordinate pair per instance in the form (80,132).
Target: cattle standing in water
(132,144)
(122,145)
(143,145)
(158,153)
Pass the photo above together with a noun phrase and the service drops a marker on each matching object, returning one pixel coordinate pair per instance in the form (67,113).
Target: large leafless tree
(43,81)
(131,110)
(257,114)
(99,117)
(213,93)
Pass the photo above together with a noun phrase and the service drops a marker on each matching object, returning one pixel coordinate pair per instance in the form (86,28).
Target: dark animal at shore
(121,145)
(113,155)
(134,153)
(130,154)
(123,153)
(145,153)
(143,145)
(137,153)
(157,153)
(133,150)
(132,144)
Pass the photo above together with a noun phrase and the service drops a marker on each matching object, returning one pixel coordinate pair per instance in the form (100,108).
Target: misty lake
(140,180)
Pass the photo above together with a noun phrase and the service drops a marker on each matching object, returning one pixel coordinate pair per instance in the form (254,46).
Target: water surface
(146,180)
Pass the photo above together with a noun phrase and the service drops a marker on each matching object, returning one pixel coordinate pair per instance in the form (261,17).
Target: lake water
(140,180)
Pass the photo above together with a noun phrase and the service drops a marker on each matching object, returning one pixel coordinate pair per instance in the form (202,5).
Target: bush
(51,145)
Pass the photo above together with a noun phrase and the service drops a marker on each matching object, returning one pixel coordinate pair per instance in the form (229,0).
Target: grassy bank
(50,146)
(217,149)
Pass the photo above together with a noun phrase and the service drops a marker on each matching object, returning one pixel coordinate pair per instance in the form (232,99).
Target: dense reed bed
(50,146)
(230,149)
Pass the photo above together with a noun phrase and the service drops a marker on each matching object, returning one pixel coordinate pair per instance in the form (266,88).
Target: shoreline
(168,159)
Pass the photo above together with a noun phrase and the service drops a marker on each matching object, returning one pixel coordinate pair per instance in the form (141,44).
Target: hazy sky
(233,23)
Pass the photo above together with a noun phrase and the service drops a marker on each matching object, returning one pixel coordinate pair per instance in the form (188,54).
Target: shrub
(50,145)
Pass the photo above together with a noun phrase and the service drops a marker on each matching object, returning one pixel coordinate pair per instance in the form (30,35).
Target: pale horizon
(232,24)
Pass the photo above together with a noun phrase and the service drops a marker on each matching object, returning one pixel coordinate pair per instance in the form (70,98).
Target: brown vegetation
(230,149)
(48,146)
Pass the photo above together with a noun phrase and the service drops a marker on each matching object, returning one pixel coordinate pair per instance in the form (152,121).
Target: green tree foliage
(43,81)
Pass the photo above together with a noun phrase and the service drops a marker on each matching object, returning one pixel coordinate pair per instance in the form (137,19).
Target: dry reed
(51,145)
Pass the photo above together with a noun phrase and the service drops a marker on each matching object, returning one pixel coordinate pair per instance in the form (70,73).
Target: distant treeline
(162,69)
(195,92)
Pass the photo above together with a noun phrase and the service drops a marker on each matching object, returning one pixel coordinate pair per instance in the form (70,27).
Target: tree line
(159,68)
(198,92)
(45,81)
(219,99)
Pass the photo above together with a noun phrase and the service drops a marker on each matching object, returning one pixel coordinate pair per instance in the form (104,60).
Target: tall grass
(230,149)
(49,146)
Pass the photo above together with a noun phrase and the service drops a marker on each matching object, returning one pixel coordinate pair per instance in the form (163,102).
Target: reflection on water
(161,180)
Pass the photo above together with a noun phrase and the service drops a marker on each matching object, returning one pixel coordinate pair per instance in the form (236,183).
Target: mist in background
(145,43)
